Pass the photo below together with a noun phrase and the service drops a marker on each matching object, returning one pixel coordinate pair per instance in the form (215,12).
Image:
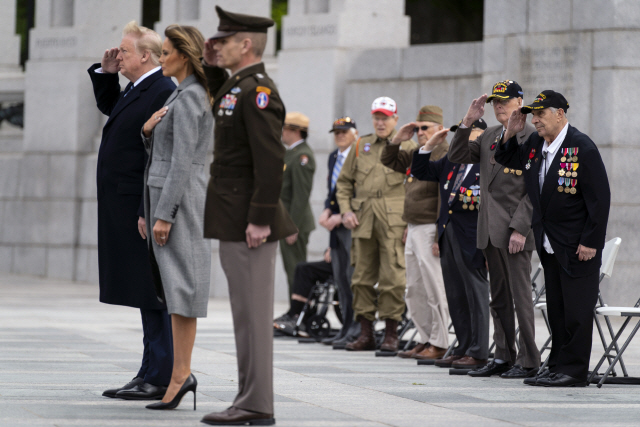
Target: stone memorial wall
(336,57)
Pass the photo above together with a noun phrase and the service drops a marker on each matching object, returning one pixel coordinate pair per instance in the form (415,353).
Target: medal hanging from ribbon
(446,184)
(575,154)
(574,167)
(532,154)
(470,199)
(564,155)
(409,176)
(463,197)
(561,172)
(567,183)
(560,182)
(495,143)
(573,186)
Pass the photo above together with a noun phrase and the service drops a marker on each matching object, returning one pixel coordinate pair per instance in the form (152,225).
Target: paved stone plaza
(60,348)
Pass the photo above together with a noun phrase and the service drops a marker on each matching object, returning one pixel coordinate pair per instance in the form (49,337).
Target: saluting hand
(585,253)
(437,139)
(517,120)
(153,121)
(404,134)
(110,63)
(476,110)
(209,55)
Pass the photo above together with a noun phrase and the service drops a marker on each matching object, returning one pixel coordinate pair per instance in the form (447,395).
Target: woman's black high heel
(191,384)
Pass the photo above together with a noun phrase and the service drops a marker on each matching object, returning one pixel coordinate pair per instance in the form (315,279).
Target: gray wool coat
(175,191)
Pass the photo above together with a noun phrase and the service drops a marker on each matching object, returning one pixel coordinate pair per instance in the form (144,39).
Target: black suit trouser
(467,290)
(342,272)
(307,274)
(157,357)
(570,304)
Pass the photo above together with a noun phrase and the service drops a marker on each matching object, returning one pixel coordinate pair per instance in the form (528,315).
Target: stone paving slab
(60,348)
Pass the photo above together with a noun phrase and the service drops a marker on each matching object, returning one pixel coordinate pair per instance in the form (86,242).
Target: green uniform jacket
(379,190)
(297,182)
(246,173)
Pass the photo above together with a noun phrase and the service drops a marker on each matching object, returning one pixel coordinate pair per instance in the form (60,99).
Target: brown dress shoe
(237,416)
(390,342)
(366,340)
(430,353)
(468,362)
(410,353)
(447,361)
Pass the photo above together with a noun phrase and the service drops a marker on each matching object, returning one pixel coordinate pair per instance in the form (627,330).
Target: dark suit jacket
(248,156)
(123,258)
(567,219)
(463,221)
(331,202)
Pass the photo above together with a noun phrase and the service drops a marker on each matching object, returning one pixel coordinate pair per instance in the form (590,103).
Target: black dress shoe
(492,368)
(144,391)
(235,416)
(534,380)
(517,371)
(131,384)
(561,380)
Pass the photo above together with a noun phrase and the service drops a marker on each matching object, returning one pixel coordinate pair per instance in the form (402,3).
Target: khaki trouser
(379,259)
(251,273)
(426,298)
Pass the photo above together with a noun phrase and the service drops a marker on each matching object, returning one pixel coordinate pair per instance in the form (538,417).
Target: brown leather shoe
(366,340)
(410,353)
(390,342)
(468,362)
(430,353)
(237,416)
(447,361)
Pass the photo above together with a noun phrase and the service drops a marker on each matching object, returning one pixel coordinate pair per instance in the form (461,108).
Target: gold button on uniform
(450,212)
(444,225)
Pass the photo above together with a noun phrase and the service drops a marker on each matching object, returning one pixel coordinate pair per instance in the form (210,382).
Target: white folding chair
(629,313)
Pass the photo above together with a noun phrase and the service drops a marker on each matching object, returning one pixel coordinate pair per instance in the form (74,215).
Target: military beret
(232,23)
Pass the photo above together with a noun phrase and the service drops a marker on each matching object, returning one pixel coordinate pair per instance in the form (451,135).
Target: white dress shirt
(295,144)
(549,152)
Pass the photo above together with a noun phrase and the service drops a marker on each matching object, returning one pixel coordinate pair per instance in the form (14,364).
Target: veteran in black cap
(243,208)
(504,233)
(567,183)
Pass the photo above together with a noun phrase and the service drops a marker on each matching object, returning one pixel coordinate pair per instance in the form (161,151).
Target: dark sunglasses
(425,127)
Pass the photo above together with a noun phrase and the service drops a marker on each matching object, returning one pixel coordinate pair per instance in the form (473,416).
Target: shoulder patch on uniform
(304,159)
(263,89)
(262,100)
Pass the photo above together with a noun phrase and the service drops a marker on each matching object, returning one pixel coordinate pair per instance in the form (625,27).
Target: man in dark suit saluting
(569,190)
(123,258)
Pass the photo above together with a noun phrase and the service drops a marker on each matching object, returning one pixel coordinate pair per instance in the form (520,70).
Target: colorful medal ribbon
(446,184)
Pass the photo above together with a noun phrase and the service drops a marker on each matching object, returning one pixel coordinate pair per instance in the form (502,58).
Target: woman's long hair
(189,41)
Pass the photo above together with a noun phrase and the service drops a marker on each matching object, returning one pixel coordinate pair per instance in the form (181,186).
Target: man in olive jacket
(297,182)
(375,217)
(426,298)
(243,208)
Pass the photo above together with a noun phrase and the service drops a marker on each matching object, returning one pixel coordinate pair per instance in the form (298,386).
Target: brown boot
(411,353)
(366,340)
(390,342)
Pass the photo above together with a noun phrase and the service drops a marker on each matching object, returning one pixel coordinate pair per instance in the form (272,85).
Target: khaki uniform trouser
(379,259)
(426,298)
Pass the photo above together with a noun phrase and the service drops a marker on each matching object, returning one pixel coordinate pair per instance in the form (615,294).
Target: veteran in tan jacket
(426,298)
(371,199)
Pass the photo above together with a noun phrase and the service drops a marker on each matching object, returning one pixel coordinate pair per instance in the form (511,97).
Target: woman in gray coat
(176,138)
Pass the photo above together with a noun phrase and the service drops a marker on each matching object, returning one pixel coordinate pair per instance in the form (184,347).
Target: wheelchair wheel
(318,327)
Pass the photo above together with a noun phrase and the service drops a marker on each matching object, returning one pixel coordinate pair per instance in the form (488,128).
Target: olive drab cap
(505,90)
(231,23)
(430,113)
(546,99)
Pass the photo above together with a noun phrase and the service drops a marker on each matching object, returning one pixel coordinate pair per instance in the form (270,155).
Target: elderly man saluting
(569,190)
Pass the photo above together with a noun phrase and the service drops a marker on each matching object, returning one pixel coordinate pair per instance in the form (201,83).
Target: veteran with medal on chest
(569,224)
(243,208)
(504,233)
(371,199)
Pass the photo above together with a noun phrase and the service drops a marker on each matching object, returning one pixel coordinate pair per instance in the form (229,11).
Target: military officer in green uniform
(374,214)
(243,208)
(297,181)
